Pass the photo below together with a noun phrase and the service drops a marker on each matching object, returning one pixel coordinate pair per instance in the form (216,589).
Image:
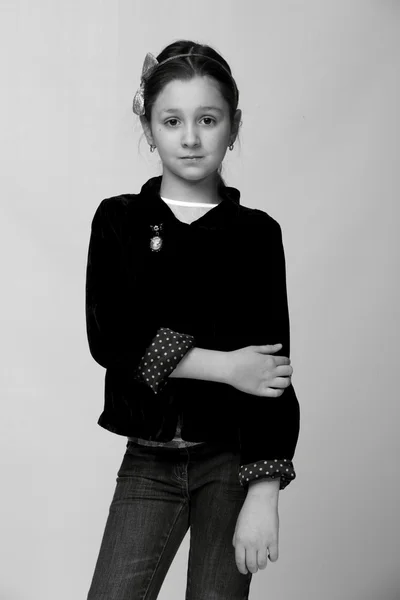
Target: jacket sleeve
(165,351)
(269,427)
(118,322)
(278,468)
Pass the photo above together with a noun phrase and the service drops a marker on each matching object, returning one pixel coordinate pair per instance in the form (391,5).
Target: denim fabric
(160,493)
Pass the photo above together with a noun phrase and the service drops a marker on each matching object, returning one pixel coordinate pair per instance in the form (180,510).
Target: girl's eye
(209,119)
(171,121)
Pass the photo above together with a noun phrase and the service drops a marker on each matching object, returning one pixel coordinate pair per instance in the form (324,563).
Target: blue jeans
(160,493)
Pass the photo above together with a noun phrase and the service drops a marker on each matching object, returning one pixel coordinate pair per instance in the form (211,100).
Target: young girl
(187,311)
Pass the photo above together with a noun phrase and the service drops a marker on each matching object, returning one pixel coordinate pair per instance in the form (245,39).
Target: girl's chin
(193,173)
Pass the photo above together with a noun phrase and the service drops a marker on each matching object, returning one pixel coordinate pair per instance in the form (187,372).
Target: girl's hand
(255,371)
(256,534)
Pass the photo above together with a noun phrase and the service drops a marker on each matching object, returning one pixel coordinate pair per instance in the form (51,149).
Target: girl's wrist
(266,489)
(205,364)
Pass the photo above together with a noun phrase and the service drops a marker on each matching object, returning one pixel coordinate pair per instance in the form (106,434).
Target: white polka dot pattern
(268,469)
(162,356)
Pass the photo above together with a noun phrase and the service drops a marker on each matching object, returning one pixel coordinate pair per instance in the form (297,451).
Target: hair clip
(149,63)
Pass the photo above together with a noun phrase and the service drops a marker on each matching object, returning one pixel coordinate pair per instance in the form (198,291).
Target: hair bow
(149,63)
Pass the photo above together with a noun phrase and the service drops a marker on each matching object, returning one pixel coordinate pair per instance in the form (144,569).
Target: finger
(281,382)
(284,371)
(273,551)
(282,360)
(262,558)
(270,348)
(240,558)
(270,392)
(251,559)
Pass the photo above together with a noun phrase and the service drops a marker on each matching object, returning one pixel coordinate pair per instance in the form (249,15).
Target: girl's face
(191,119)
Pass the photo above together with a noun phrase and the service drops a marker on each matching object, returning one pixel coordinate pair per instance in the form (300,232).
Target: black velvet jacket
(220,279)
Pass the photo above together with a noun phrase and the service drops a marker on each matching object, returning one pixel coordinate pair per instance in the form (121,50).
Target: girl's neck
(175,188)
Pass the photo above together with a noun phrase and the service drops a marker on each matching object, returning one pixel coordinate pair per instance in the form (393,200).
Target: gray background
(319,151)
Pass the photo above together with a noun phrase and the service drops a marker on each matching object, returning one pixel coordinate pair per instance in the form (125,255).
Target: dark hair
(210,64)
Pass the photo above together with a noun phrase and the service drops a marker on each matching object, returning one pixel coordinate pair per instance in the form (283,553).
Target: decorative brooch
(156,241)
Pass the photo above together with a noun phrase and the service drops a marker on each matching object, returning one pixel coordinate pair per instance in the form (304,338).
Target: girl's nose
(190,137)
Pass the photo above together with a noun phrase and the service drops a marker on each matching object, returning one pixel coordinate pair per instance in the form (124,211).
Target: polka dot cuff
(268,469)
(162,356)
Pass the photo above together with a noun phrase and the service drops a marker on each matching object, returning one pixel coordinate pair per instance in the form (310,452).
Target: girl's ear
(147,130)
(236,124)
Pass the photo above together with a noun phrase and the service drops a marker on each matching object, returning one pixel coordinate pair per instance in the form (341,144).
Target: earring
(231,146)
(152,148)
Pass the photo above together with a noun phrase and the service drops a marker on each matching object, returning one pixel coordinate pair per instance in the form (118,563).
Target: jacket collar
(219,217)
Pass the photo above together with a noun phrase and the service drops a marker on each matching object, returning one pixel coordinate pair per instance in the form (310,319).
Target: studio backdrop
(318,151)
